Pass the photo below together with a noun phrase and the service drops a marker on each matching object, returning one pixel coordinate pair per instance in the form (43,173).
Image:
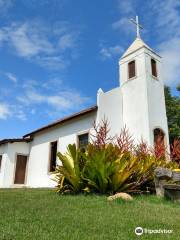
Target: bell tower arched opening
(159,142)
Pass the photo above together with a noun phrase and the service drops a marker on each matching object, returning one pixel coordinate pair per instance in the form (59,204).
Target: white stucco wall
(3,152)
(110,107)
(38,167)
(10,151)
(134,92)
(143,97)
(156,99)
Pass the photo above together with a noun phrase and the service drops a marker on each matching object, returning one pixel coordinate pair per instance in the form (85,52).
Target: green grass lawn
(43,214)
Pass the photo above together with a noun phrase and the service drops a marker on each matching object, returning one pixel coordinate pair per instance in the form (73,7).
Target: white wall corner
(99,93)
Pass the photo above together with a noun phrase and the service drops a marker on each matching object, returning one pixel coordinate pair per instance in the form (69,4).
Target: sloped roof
(63,120)
(137,44)
(12,140)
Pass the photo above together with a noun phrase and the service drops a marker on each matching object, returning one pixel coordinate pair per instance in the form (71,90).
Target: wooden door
(20,172)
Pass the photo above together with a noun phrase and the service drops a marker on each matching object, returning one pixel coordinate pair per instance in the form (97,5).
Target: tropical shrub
(109,164)
(68,175)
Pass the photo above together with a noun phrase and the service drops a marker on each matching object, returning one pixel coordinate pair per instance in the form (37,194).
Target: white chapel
(137,103)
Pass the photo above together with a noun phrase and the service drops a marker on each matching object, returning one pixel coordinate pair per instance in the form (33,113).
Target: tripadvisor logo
(138,231)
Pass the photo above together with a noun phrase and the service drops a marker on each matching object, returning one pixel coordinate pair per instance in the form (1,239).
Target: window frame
(80,134)
(50,156)
(156,70)
(135,75)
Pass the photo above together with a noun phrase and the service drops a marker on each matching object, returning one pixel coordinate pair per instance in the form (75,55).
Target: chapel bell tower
(144,112)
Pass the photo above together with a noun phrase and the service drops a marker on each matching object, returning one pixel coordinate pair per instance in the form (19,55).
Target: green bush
(109,166)
(69,174)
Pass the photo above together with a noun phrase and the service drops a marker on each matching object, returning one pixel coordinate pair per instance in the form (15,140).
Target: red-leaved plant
(160,150)
(112,164)
(142,149)
(125,141)
(101,136)
(175,150)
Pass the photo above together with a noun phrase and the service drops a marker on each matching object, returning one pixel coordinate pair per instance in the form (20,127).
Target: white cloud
(123,24)
(12,110)
(53,83)
(4,111)
(39,43)
(126,6)
(67,41)
(110,52)
(64,100)
(171,63)
(21,115)
(52,96)
(28,40)
(127,11)
(167,14)
(53,62)
(11,77)
(33,111)
(168,33)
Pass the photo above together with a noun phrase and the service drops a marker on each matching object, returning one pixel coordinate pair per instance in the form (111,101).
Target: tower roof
(137,44)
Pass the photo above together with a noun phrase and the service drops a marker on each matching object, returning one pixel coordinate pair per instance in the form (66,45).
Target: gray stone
(162,175)
(175,176)
(172,192)
(159,187)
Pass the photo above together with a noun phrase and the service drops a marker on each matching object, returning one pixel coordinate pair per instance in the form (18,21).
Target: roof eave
(139,49)
(61,121)
(14,140)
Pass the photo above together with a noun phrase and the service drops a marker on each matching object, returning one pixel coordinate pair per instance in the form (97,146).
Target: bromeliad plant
(68,175)
(109,165)
(100,167)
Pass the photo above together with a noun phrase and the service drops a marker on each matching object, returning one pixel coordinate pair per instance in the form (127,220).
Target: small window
(131,69)
(0,161)
(53,153)
(83,141)
(153,67)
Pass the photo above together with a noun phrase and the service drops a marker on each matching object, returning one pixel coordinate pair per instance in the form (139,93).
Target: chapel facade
(137,103)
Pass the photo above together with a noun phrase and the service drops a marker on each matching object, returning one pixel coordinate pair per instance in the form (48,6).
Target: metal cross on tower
(138,26)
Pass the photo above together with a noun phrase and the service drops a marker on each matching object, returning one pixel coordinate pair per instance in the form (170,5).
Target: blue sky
(56,54)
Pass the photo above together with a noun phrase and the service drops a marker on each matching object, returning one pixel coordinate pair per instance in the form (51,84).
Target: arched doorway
(159,142)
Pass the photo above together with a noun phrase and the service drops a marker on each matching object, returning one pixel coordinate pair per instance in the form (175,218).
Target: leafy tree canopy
(173,113)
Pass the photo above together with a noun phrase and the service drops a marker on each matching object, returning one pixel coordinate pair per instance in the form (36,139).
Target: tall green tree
(173,113)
